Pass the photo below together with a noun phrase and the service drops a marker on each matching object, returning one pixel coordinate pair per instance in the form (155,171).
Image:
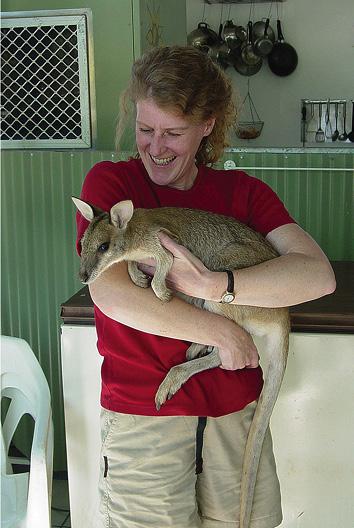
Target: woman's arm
(300,274)
(118,298)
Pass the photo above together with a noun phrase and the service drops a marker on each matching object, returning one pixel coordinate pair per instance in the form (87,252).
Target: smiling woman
(183,105)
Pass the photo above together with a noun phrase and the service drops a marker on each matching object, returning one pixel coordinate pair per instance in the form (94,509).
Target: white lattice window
(47,98)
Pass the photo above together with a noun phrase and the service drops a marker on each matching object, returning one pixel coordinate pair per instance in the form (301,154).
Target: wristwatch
(229,295)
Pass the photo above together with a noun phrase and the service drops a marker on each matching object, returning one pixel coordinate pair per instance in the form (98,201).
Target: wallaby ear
(87,210)
(121,213)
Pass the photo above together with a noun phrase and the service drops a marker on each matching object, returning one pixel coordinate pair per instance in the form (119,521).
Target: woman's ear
(209,125)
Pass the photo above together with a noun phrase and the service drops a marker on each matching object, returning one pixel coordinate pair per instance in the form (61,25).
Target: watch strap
(230,281)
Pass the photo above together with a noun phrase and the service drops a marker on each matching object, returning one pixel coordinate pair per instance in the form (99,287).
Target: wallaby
(220,242)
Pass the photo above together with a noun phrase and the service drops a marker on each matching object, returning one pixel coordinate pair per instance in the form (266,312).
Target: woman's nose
(157,145)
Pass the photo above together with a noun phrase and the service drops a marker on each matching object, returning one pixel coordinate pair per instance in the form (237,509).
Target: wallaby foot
(171,384)
(137,276)
(196,351)
(179,374)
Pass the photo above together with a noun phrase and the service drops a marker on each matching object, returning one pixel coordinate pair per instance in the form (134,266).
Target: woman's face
(167,144)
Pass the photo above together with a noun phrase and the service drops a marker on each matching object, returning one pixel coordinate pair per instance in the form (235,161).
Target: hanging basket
(251,128)
(248,129)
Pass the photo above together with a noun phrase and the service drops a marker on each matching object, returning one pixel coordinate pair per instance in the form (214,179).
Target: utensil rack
(320,114)
(239,1)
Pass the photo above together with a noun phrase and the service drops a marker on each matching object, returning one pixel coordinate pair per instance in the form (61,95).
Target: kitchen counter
(331,314)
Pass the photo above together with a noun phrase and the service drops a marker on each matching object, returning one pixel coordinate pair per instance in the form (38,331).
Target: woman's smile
(163,162)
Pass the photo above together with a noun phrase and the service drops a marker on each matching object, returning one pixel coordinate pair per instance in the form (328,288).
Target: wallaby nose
(83,276)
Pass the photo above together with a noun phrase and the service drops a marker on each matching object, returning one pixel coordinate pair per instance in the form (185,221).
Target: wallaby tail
(277,350)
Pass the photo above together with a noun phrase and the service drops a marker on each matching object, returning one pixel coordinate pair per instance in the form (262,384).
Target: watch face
(228,297)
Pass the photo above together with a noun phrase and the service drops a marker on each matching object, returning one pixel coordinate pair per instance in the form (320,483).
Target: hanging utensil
(234,35)
(351,134)
(247,52)
(241,67)
(328,127)
(303,124)
(283,58)
(344,136)
(202,37)
(263,38)
(312,124)
(335,134)
(320,135)
(220,52)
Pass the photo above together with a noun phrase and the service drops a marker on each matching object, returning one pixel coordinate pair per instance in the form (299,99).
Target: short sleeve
(265,209)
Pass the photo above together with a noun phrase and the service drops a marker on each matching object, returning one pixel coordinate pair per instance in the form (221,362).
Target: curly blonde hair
(186,81)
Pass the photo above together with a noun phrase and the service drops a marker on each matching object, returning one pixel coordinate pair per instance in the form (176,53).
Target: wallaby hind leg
(179,374)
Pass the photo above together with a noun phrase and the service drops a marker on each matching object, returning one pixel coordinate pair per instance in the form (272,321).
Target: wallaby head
(103,243)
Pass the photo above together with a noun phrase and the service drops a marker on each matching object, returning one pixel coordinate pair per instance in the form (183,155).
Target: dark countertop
(332,314)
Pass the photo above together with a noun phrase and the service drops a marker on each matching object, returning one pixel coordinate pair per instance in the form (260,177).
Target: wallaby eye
(103,247)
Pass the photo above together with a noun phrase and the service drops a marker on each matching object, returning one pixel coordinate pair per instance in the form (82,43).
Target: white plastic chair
(26,497)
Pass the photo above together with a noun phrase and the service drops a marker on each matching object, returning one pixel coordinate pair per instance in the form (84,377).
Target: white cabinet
(312,425)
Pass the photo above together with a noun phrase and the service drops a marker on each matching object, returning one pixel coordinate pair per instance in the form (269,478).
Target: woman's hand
(238,350)
(188,274)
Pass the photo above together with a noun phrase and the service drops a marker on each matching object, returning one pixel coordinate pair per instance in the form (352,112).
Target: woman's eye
(173,134)
(145,130)
(103,247)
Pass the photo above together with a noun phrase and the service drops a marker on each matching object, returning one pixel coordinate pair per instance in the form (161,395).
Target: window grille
(46,101)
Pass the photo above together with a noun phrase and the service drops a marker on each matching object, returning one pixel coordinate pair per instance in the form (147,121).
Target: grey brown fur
(220,243)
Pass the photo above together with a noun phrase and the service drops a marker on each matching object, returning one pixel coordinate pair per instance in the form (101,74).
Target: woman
(151,472)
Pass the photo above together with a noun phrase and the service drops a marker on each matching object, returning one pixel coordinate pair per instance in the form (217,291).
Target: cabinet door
(312,428)
(313,431)
(158,23)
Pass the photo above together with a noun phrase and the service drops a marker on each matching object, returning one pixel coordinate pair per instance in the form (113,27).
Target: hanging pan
(283,58)
(245,69)
(263,38)
(247,51)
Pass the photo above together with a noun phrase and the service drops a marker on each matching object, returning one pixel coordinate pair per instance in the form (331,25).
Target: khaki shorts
(148,478)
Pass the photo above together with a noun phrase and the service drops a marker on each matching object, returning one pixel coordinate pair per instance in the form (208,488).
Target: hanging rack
(240,1)
(319,117)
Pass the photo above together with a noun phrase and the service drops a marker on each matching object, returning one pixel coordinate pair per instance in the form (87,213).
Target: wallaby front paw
(164,294)
(170,385)
(142,280)
(137,276)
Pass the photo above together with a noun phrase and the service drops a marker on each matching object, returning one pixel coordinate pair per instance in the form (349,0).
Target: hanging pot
(234,35)
(263,38)
(202,37)
(220,52)
(283,58)
(247,52)
(245,69)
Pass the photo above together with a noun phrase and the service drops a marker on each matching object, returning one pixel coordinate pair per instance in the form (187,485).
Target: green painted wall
(39,263)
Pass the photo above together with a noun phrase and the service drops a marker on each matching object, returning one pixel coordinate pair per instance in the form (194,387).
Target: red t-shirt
(134,362)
